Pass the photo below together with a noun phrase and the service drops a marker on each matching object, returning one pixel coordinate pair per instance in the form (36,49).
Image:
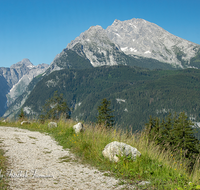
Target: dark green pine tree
(167,125)
(183,136)
(55,107)
(21,115)
(104,117)
(176,134)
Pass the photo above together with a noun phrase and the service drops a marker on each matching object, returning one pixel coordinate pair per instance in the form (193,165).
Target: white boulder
(115,148)
(52,124)
(78,127)
(25,122)
(142,183)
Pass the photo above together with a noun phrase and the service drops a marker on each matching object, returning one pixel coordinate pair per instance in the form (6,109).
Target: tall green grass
(3,168)
(161,168)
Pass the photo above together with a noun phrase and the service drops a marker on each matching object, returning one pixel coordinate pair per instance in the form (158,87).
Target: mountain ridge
(97,47)
(138,38)
(16,79)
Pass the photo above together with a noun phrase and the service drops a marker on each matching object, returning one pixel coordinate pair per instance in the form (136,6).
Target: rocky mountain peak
(23,63)
(139,37)
(128,42)
(95,43)
(92,35)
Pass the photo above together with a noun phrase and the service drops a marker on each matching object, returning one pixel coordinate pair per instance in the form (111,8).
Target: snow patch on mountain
(120,100)
(147,52)
(126,110)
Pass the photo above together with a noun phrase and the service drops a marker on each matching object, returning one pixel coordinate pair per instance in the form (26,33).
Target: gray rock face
(97,47)
(21,85)
(125,40)
(119,148)
(16,71)
(78,128)
(18,76)
(139,37)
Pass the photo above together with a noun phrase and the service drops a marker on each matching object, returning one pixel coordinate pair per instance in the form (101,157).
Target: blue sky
(40,29)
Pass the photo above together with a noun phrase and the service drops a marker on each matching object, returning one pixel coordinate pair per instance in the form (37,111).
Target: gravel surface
(38,162)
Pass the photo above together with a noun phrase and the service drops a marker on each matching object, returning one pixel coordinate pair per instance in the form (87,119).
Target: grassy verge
(160,168)
(3,167)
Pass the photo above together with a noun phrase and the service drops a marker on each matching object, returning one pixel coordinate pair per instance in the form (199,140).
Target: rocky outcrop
(115,149)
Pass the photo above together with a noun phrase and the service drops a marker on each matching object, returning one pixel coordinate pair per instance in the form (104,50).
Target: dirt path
(36,164)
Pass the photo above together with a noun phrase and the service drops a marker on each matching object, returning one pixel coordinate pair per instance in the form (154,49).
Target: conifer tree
(105,118)
(55,107)
(21,115)
(176,134)
(183,136)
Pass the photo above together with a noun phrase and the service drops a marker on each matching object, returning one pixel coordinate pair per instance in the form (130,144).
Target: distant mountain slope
(68,59)
(15,107)
(134,93)
(21,85)
(16,71)
(17,78)
(4,89)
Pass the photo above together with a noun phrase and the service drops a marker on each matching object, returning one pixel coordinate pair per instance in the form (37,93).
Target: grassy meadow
(157,166)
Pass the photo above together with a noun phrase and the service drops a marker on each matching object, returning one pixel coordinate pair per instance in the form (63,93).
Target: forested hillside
(134,93)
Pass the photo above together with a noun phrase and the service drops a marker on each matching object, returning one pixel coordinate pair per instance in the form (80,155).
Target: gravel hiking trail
(38,162)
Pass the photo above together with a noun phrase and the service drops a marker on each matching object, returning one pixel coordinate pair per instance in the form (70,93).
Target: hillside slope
(134,93)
